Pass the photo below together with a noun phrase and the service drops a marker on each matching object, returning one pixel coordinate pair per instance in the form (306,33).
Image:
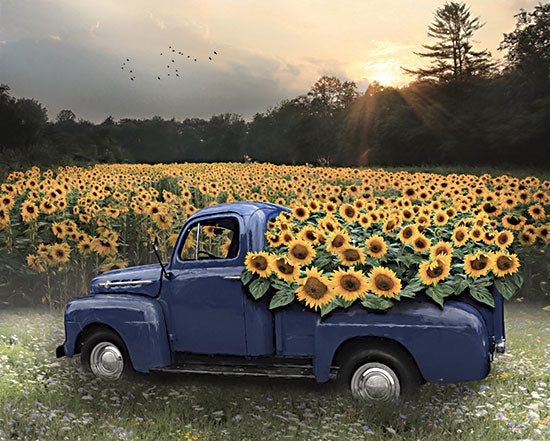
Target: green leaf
(459,284)
(505,287)
(325,309)
(246,276)
(375,302)
(414,286)
(259,287)
(435,295)
(281,298)
(517,279)
(482,294)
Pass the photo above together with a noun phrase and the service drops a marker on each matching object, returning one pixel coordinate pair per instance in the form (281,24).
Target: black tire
(99,338)
(398,362)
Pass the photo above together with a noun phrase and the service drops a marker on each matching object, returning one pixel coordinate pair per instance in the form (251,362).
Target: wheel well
(382,343)
(88,331)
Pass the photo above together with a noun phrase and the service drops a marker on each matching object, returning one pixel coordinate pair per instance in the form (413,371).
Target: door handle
(232,277)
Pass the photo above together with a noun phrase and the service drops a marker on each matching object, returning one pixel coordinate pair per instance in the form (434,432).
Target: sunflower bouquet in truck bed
(377,251)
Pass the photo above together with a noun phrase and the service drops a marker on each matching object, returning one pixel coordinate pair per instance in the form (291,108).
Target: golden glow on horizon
(387,73)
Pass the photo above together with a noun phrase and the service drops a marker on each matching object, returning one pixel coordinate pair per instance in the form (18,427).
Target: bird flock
(173,60)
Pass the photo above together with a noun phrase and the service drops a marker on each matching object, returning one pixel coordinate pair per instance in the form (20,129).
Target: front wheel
(105,354)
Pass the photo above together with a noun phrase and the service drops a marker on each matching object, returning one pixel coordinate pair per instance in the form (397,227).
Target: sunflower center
(300,252)
(504,263)
(514,220)
(338,241)
(284,267)
(349,212)
(300,212)
(350,283)
(420,243)
(315,288)
(311,236)
(383,282)
(502,239)
(435,272)
(407,233)
(260,263)
(351,255)
(480,263)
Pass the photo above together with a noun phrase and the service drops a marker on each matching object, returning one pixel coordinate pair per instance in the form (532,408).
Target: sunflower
(29,211)
(35,263)
(4,217)
(348,212)
(476,234)
(544,232)
(460,236)
(7,201)
(391,224)
(309,234)
(526,238)
(47,206)
(350,256)
(258,263)
(274,239)
(408,233)
(60,252)
(337,241)
(513,222)
(113,265)
(504,239)
(301,213)
(349,284)
(315,289)
(104,246)
(84,246)
(504,263)
(439,248)
(488,237)
(384,282)
(300,252)
(435,270)
(376,246)
(477,265)
(59,230)
(536,211)
(421,243)
(440,218)
(285,270)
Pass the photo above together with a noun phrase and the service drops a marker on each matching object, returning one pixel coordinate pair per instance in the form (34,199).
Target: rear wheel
(105,354)
(380,375)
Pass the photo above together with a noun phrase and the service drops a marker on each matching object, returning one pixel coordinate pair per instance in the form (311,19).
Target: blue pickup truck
(194,315)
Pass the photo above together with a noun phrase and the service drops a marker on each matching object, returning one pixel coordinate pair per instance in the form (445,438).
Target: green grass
(49,399)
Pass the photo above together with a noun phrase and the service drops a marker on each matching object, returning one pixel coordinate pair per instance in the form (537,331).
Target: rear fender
(138,320)
(448,345)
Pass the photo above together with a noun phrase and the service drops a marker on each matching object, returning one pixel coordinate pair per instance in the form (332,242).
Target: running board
(271,371)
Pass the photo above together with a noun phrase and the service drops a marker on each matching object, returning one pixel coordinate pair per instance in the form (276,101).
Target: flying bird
(158,78)
(210,58)
(215,53)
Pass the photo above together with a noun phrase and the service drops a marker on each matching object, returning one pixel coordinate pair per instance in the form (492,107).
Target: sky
(69,54)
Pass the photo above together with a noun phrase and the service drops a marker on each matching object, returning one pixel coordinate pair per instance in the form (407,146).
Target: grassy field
(42,398)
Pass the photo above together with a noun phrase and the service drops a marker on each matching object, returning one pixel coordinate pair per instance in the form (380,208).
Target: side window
(211,239)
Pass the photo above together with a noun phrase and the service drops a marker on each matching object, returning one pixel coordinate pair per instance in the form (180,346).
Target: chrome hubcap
(375,382)
(106,361)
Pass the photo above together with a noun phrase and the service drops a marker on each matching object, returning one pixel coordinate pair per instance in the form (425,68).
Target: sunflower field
(363,235)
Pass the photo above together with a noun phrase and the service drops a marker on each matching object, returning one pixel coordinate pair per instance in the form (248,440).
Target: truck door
(204,298)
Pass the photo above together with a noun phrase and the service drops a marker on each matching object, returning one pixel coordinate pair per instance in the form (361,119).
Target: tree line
(462,108)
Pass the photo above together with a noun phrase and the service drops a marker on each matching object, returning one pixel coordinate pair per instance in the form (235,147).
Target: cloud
(157,21)
(55,37)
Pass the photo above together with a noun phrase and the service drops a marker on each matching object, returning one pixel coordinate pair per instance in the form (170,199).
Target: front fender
(448,345)
(138,320)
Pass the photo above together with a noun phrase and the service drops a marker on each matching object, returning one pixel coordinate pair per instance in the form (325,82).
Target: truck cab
(196,316)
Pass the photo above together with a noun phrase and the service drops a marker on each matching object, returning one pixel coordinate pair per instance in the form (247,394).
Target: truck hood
(144,279)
